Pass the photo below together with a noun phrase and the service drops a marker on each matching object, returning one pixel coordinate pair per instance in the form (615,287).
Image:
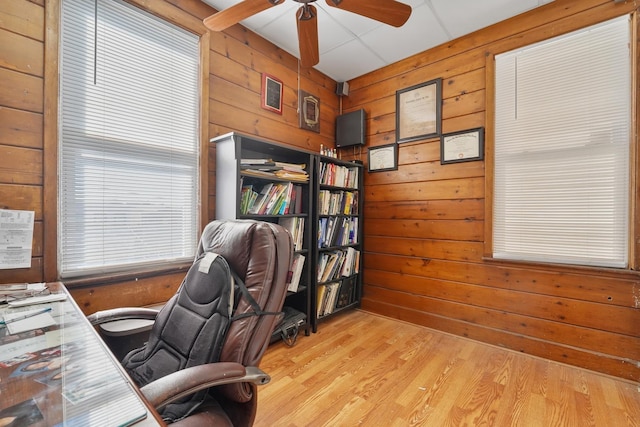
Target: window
(562,149)
(128,141)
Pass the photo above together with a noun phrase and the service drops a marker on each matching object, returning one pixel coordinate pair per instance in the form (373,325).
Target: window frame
(634,170)
(175,16)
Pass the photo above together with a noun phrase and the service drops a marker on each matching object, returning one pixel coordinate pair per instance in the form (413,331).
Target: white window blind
(128,144)
(562,149)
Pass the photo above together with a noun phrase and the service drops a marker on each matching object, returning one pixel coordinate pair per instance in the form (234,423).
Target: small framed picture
(383,158)
(463,146)
(271,97)
(309,111)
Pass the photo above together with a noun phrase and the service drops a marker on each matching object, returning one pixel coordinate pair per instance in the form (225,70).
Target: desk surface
(64,374)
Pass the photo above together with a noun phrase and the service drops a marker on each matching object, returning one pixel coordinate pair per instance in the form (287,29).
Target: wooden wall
(235,61)
(424,223)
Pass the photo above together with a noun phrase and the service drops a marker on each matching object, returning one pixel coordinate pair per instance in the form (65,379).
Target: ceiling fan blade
(308,35)
(390,12)
(236,13)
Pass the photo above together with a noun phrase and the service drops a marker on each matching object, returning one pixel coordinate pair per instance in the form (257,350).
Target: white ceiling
(351,45)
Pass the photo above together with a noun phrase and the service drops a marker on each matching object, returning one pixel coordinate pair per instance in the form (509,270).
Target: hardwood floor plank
(362,369)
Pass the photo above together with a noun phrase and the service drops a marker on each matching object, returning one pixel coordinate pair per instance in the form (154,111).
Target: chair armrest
(185,382)
(123,313)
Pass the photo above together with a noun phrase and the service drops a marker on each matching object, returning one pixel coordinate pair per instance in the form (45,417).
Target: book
(291,175)
(327,298)
(287,201)
(260,200)
(346,293)
(298,199)
(244,162)
(275,199)
(320,299)
(295,226)
(247,198)
(333,297)
(296,272)
(265,167)
(293,167)
(258,173)
(332,266)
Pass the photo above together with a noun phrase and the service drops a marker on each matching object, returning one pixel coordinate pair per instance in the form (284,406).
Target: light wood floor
(363,369)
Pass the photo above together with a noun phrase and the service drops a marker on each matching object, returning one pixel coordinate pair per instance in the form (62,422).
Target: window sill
(564,268)
(112,278)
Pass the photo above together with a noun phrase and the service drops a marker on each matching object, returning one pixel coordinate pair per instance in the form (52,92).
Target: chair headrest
(238,241)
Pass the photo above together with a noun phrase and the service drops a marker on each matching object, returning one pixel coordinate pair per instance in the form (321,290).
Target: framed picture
(383,158)
(309,111)
(271,96)
(463,146)
(418,111)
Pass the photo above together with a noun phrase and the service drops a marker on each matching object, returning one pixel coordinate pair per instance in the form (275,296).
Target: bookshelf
(267,181)
(338,228)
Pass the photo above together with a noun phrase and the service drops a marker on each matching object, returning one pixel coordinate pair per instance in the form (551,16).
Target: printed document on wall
(16,237)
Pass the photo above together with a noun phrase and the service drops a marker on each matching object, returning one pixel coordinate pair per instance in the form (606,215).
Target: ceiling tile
(349,60)
(283,32)
(477,14)
(421,32)
(352,22)
(330,33)
(260,20)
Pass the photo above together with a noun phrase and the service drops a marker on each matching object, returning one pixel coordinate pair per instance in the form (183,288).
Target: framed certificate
(418,111)
(463,146)
(383,158)
(271,98)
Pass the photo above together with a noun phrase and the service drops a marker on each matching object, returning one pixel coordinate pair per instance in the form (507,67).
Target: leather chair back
(261,254)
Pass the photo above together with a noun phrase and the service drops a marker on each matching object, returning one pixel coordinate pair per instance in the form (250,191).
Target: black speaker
(342,89)
(350,128)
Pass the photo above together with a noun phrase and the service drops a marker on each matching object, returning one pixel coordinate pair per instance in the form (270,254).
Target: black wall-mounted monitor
(350,128)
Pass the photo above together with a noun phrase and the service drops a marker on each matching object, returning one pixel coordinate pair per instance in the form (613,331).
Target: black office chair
(260,253)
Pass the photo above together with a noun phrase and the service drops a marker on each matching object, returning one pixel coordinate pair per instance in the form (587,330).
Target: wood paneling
(21,53)
(424,223)
(21,197)
(425,228)
(21,91)
(22,17)
(20,128)
(21,166)
(130,293)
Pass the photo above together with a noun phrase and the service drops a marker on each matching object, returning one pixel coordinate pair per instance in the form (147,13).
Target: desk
(64,375)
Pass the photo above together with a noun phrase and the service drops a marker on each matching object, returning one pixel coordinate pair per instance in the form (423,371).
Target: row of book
(334,296)
(337,202)
(272,199)
(337,231)
(293,280)
(339,263)
(338,176)
(267,168)
(295,226)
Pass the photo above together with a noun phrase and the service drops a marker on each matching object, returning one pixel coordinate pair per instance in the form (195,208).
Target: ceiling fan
(390,12)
